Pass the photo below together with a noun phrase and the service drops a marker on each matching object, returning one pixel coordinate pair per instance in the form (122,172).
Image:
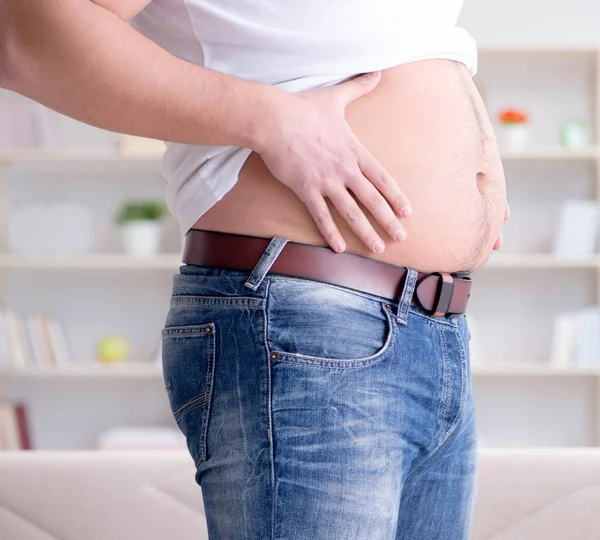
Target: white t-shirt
(292,44)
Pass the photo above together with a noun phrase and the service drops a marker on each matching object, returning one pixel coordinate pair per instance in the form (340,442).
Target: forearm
(84,61)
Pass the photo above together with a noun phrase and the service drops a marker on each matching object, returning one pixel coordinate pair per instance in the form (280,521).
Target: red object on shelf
(513,116)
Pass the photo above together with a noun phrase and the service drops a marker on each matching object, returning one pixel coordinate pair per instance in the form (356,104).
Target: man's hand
(310,148)
(498,243)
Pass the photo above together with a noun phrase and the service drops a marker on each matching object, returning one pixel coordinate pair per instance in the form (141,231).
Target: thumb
(359,86)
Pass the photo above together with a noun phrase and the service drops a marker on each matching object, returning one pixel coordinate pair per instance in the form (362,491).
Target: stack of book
(14,429)
(32,340)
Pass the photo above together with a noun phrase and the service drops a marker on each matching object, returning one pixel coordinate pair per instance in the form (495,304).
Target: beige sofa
(522,495)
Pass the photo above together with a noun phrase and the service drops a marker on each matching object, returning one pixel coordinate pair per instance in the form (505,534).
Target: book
(16,339)
(20,413)
(14,427)
(5,360)
(587,337)
(44,328)
(563,341)
(576,339)
(38,351)
(578,229)
(9,427)
(59,344)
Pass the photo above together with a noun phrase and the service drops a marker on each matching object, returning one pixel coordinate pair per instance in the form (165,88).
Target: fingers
(355,217)
(319,211)
(385,184)
(498,243)
(379,208)
(507,212)
(359,86)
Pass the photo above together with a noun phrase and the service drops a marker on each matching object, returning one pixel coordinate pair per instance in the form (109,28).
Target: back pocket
(188,357)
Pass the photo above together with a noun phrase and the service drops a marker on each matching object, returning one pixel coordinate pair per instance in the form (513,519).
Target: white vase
(516,136)
(142,237)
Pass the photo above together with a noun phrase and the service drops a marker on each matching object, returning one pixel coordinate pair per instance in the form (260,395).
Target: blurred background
(82,300)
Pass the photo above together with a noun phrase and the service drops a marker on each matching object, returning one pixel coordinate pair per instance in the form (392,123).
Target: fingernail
(378,247)
(406,211)
(400,234)
(340,246)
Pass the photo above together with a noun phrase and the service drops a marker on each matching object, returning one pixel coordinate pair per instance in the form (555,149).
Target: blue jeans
(318,412)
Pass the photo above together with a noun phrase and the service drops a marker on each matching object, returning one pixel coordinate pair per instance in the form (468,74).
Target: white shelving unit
(518,373)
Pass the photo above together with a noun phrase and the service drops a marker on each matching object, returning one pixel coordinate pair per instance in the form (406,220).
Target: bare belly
(426,124)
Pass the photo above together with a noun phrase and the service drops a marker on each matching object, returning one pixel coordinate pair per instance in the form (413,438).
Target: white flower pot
(142,237)
(575,135)
(516,136)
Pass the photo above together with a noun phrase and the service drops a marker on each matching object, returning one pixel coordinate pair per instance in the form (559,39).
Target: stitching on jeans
(379,356)
(446,383)
(194,403)
(270,439)
(463,385)
(216,300)
(432,456)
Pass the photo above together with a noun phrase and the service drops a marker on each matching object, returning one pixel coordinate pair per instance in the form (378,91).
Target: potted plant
(515,128)
(140,223)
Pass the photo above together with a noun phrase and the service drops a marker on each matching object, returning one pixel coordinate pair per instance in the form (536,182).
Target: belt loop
(407,295)
(265,262)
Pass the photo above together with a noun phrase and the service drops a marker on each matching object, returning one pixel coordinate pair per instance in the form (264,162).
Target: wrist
(264,118)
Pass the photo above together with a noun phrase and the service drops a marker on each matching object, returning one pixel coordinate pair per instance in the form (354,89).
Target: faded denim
(318,412)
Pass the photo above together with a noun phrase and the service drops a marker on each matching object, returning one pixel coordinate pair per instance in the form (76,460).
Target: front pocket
(315,323)
(188,356)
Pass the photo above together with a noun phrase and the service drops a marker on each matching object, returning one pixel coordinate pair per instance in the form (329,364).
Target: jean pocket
(188,356)
(318,324)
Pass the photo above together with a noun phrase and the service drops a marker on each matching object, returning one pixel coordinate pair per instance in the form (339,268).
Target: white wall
(533,22)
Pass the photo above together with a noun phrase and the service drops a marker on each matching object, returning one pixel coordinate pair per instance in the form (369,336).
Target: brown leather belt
(440,294)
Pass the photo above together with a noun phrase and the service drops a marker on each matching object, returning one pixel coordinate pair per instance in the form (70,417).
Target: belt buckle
(443,296)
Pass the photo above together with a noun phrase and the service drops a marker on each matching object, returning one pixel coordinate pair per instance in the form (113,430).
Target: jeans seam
(432,456)
(270,437)
(185,299)
(446,385)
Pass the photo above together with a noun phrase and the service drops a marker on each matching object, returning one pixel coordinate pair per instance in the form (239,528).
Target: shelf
(550,153)
(116,261)
(73,156)
(540,260)
(540,50)
(530,370)
(70,156)
(92,261)
(86,370)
